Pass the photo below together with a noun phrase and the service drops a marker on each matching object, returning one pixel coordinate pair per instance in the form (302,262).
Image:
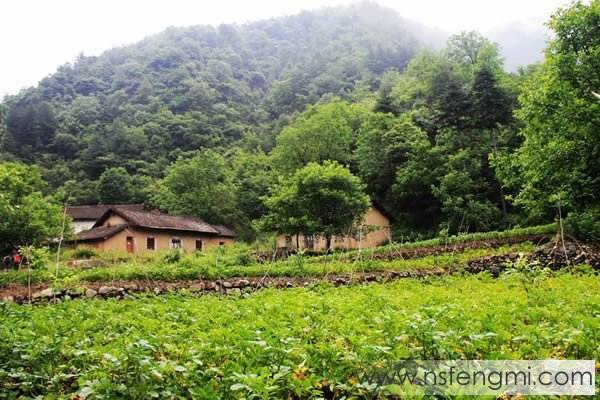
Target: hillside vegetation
(443,141)
(140,106)
(296,125)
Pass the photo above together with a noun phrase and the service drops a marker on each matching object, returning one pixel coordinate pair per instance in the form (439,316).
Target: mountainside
(199,86)
(229,123)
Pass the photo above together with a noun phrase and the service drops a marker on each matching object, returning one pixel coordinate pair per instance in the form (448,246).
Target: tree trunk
(328,242)
(502,202)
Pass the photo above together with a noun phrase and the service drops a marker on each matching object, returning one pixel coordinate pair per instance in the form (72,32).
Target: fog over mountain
(51,34)
(521,42)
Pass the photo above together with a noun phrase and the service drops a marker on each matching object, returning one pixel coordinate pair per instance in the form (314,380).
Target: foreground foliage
(302,343)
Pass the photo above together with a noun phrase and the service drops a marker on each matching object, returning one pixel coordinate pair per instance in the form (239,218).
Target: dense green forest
(208,120)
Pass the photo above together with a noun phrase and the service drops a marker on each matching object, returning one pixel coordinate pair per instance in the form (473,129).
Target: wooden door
(129,244)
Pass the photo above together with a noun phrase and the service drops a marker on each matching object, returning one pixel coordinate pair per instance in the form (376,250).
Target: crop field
(299,343)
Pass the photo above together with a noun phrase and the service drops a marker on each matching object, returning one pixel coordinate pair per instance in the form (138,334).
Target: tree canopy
(200,185)
(202,121)
(317,200)
(27,216)
(559,162)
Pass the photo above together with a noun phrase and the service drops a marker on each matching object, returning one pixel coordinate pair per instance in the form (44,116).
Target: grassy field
(302,343)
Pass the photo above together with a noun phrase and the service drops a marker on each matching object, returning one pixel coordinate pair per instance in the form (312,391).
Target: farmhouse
(122,229)
(374,230)
(84,217)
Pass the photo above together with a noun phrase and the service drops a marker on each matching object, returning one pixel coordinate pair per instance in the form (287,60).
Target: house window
(175,243)
(150,243)
(198,245)
(221,243)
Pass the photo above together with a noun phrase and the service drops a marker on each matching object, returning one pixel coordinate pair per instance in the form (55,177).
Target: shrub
(84,252)
(35,257)
(585,225)
(171,256)
(297,261)
(188,268)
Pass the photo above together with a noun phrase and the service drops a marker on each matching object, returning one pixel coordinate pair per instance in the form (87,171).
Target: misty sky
(38,36)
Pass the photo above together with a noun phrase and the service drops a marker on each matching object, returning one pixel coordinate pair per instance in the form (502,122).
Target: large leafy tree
(252,177)
(559,162)
(464,47)
(384,144)
(201,186)
(462,192)
(114,186)
(317,200)
(322,132)
(27,216)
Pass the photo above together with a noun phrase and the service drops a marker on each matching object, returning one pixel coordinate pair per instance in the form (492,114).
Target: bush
(35,257)
(585,225)
(84,252)
(191,269)
(298,264)
(171,256)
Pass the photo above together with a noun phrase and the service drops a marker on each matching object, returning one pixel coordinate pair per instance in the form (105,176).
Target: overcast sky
(36,36)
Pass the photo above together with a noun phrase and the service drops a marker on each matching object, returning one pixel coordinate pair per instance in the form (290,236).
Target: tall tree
(559,162)
(491,104)
(322,132)
(384,144)
(200,186)
(252,177)
(27,216)
(114,186)
(317,200)
(384,96)
(464,47)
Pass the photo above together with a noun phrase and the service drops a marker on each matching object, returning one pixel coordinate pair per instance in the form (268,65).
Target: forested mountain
(206,120)
(200,86)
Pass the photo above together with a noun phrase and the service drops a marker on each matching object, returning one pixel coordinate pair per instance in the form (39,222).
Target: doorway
(130,244)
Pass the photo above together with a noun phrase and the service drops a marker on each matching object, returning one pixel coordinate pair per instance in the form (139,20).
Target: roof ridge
(155,220)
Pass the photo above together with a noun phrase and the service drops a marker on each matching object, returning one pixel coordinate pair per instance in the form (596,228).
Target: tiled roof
(95,212)
(155,220)
(224,231)
(102,232)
